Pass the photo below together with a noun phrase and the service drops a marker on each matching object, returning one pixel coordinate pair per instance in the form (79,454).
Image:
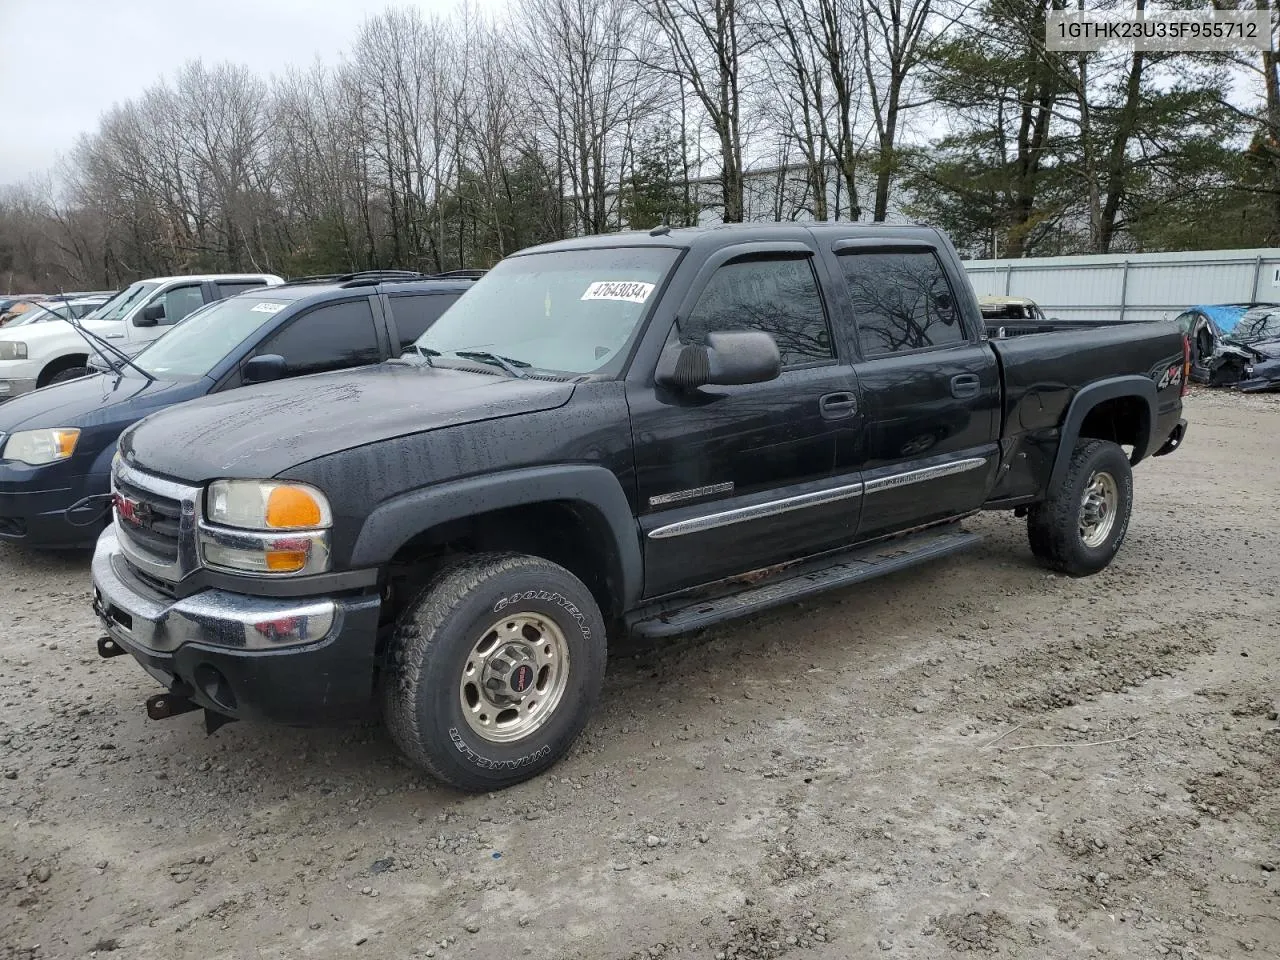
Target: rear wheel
(494,670)
(1080,525)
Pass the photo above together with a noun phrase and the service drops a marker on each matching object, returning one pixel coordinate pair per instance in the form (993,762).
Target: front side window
(901,301)
(328,338)
(414,314)
(777,296)
(565,311)
(180,302)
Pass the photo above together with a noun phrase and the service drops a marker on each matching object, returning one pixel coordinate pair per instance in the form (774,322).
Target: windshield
(118,306)
(1252,327)
(34,315)
(571,311)
(201,341)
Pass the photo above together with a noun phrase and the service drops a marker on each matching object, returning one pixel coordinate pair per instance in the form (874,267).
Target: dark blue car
(56,443)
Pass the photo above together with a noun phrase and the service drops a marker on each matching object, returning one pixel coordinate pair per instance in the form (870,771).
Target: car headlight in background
(279,528)
(38,447)
(13,350)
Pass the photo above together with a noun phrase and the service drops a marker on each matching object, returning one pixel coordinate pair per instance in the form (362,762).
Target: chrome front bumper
(213,617)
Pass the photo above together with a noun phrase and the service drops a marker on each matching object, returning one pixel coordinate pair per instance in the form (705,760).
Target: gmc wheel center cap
(521,678)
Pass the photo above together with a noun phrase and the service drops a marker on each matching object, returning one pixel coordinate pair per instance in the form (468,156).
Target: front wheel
(71,373)
(493,670)
(1079,527)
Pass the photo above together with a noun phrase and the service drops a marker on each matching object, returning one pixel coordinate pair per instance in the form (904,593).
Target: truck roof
(727,234)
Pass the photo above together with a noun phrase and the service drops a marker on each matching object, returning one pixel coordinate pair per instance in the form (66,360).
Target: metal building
(1133,286)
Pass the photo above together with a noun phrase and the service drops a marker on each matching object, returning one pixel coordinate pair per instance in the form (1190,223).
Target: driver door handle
(836,406)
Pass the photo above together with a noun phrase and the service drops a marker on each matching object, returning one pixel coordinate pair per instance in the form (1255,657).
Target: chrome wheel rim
(514,677)
(1098,509)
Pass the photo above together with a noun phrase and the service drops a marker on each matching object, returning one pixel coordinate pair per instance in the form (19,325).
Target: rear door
(929,387)
(229,288)
(733,478)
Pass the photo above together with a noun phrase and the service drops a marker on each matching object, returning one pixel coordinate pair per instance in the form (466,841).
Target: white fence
(1135,286)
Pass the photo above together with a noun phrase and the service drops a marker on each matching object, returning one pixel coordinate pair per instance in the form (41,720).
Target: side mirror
(149,315)
(743,356)
(264,368)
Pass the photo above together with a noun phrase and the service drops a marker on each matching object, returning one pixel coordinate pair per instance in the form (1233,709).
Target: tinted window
(229,288)
(414,314)
(327,338)
(901,301)
(179,302)
(779,297)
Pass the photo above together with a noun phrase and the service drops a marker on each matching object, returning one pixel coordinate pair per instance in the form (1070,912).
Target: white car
(39,354)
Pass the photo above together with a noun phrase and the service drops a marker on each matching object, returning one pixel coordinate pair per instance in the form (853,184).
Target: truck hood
(94,400)
(60,330)
(263,430)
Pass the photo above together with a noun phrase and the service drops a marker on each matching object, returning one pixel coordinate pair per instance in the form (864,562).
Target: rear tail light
(1186,364)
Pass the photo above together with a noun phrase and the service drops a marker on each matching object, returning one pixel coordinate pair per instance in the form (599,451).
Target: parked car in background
(35,356)
(1009,308)
(1257,337)
(14,307)
(58,442)
(1207,327)
(76,306)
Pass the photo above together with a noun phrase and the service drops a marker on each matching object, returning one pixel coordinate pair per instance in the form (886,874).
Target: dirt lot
(974,756)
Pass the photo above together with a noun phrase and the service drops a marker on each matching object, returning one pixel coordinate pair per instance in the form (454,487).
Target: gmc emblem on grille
(132,511)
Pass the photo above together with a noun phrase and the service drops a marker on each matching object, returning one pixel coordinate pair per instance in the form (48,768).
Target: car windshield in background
(571,311)
(1253,327)
(34,315)
(201,341)
(118,306)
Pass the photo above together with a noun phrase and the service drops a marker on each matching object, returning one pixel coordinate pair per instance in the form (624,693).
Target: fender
(1088,398)
(394,523)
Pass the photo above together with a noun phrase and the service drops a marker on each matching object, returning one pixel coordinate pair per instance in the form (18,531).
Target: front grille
(151,521)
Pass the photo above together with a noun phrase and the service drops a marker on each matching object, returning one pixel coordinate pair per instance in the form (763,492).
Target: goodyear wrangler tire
(493,670)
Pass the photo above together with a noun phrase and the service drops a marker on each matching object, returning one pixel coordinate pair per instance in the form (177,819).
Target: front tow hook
(108,648)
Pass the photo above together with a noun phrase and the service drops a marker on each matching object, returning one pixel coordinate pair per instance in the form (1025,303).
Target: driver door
(733,478)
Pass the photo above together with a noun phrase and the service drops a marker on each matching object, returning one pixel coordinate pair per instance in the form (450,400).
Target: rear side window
(179,302)
(229,288)
(901,301)
(414,314)
(779,297)
(327,338)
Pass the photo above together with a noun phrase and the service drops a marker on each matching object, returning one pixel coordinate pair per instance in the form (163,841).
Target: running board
(805,580)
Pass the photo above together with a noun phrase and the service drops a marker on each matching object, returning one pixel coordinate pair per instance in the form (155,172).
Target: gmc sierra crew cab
(636,434)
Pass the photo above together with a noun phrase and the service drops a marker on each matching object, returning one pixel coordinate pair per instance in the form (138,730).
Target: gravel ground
(971,756)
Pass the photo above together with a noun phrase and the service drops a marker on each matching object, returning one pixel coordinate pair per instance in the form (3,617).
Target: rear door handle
(835,406)
(965,385)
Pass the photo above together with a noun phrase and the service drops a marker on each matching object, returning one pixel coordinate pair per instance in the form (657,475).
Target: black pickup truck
(644,434)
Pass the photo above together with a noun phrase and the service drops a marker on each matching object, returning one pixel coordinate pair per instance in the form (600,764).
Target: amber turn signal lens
(286,561)
(291,508)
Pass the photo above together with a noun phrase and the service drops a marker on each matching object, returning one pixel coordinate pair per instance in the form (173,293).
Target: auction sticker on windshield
(629,291)
(267,307)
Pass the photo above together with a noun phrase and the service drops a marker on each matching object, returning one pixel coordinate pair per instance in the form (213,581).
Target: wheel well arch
(1119,409)
(58,364)
(570,533)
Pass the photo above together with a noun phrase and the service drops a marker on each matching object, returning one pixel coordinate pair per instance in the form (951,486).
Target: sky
(63,63)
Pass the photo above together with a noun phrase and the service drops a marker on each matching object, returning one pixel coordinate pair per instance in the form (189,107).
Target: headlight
(37,447)
(279,528)
(12,350)
(267,505)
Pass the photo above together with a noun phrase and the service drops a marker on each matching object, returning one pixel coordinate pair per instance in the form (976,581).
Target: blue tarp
(1225,316)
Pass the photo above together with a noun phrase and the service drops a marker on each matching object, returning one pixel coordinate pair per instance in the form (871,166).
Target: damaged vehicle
(1217,360)
(1257,340)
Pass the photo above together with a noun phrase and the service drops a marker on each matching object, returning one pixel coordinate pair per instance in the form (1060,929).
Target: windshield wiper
(426,353)
(119,354)
(506,363)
